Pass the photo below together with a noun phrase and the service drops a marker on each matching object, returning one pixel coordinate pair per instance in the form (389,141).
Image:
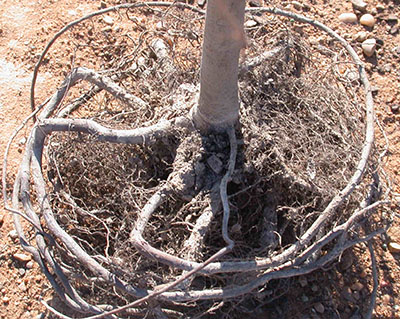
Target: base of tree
(132,202)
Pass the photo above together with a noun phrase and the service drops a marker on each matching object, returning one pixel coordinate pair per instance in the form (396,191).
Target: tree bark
(224,37)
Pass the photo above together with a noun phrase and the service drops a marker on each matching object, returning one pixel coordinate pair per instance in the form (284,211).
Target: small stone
(361,36)
(215,163)
(386,299)
(319,307)
(160,25)
(304,298)
(393,30)
(22,141)
(367,20)
(21,271)
(6,299)
(22,286)
(202,3)
(13,234)
(358,286)
(297,5)
(250,24)
(255,3)
(392,18)
(29,264)
(22,257)
(108,20)
(348,17)
(394,247)
(346,261)
(303,281)
(103,5)
(380,7)
(369,47)
(314,288)
(359,5)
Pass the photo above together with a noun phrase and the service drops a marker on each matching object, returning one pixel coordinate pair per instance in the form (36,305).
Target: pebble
(215,163)
(361,36)
(395,108)
(29,264)
(22,286)
(358,286)
(319,307)
(250,24)
(21,271)
(303,281)
(392,18)
(367,20)
(22,257)
(297,5)
(348,17)
(394,247)
(359,5)
(369,47)
(108,20)
(13,234)
(202,3)
(380,7)
(103,5)
(386,299)
(6,299)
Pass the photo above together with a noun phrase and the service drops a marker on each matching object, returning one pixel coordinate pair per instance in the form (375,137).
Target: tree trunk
(218,105)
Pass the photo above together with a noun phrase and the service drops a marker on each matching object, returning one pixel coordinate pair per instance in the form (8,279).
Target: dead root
(132,202)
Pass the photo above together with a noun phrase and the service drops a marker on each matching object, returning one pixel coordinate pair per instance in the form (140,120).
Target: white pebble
(369,47)
(13,234)
(394,247)
(368,20)
(108,20)
(348,17)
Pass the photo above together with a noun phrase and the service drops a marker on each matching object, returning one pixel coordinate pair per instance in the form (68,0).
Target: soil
(25,30)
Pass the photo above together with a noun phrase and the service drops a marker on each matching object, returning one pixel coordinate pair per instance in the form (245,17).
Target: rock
(250,24)
(303,281)
(348,17)
(202,3)
(29,264)
(369,47)
(103,5)
(215,163)
(361,36)
(392,18)
(346,261)
(395,109)
(367,20)
(22,286)
(358,286)
(13,234)
(393,30)
(5,299)
(359,5)
(297,5)
(108,20)
(304,298)
(21,271)
(255,3)
(314,288)
(380,7)
(319,307)
(386,299)
(22,257)
(394,247)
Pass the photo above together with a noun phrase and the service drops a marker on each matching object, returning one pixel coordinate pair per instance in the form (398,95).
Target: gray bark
(224,37)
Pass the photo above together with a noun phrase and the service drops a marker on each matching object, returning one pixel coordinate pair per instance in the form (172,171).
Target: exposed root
(157,217)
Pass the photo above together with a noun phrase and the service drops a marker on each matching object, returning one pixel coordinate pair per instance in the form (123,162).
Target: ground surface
(24,31)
